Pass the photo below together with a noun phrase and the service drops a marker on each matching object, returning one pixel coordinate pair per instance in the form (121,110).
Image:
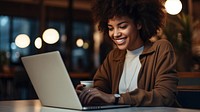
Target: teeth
(120,41)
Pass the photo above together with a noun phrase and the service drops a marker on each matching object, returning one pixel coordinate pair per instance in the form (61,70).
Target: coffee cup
(88,84)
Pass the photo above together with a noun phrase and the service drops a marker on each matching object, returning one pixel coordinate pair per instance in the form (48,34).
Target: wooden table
(35,106)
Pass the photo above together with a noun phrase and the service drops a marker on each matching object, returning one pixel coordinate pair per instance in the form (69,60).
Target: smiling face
(124,33)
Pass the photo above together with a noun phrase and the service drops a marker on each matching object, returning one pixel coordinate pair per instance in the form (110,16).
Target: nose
(116,33)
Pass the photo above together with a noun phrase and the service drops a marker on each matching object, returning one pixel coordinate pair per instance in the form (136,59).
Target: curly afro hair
(149,13)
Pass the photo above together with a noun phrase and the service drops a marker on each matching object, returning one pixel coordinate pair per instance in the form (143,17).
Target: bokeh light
(86,45)
(79,42)
(173,7)
(22,40)
(50,36)
(38,42)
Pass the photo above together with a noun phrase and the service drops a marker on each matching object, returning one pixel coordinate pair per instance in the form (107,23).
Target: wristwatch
(117,96)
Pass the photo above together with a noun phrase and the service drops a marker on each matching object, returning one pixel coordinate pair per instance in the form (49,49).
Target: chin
(122,47)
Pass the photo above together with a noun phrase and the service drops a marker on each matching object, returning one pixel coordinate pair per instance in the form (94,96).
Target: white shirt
(132,65)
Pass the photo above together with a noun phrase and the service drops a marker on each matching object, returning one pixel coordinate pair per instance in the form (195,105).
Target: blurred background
(30,27)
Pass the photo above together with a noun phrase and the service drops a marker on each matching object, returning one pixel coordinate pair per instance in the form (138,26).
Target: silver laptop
(52,82)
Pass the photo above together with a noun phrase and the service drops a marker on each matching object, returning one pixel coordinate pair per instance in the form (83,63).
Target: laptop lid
(52,82)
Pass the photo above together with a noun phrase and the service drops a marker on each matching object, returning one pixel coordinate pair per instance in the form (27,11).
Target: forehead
(119,19)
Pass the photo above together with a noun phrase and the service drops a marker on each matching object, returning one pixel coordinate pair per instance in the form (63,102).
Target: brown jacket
(157,80)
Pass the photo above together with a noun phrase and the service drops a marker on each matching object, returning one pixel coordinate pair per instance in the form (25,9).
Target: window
(10,27)
(81,55)
(4,33)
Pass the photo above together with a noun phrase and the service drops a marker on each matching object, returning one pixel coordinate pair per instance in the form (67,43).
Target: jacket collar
(148,48)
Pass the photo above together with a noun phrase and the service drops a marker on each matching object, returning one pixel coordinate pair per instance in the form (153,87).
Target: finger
(83,94)
(78,92)
(91,96)
(96,96)
(87,95)
(80,87)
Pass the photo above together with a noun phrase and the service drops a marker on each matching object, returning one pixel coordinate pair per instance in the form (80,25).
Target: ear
(139,26)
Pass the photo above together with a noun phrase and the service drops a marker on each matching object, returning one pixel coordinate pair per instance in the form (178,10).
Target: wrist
(117,97)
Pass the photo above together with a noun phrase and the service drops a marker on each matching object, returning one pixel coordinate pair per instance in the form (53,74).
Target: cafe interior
(29,27)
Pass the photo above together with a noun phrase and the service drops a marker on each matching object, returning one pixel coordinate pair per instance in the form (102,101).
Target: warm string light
(38,42)
(173,7)
(80,43)
(22,40)
(50,36)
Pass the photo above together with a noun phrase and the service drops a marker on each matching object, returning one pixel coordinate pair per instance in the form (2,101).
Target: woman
(138,72)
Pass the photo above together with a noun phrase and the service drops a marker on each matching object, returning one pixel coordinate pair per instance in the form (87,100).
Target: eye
(123,26)
(110,28)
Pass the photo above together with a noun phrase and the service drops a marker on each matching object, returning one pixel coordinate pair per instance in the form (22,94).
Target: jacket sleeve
(162,84)
(102,80)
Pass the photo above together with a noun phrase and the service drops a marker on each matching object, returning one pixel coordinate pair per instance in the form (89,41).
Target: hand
(93,96)
(79,88)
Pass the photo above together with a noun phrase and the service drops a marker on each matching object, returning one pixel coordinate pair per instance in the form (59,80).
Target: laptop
(52,82)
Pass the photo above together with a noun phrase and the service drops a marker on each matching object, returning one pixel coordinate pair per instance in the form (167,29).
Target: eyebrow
(119,23)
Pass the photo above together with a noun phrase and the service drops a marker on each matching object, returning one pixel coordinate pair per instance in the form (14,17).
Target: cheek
(132,37)
(128,33)
(110,34)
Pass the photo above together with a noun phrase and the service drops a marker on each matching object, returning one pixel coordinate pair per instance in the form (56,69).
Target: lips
(119,41)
